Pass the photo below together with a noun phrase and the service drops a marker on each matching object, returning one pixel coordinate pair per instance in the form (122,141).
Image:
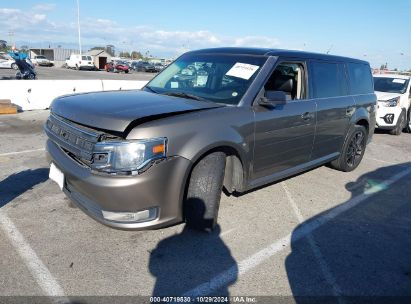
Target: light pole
(11,34)
(78,26)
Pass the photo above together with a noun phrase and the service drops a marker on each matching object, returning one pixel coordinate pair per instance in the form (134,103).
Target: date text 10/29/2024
(203,299)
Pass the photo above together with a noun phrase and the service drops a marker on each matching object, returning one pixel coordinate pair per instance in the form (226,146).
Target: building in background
(111,49)
(100,58)
(57,55)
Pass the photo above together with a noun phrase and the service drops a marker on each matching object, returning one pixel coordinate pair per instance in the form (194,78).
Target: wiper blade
(152,90)
(184,95)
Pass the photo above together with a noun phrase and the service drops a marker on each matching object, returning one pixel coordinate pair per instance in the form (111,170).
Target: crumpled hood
(115,110)
(382,96)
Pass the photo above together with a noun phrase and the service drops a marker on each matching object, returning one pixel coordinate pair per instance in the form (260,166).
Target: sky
(376,31)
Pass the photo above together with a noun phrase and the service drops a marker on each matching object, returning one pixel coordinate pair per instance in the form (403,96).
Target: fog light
(131,217)
(389,118)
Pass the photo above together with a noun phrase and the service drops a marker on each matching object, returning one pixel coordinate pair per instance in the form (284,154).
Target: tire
(14,66)
(126,71)
(204,192)
(352,151)
(408,123)
(77,67)
(400,124)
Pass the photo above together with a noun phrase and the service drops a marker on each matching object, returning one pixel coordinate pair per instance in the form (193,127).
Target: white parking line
(37,268)
(21,152)
(230,275)
(384,161)
(329,277)
(226,232)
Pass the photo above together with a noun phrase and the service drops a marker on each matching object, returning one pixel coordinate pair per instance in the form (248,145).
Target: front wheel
(400,125)
(408,123)
(14,66)
(352,151)
(204,192)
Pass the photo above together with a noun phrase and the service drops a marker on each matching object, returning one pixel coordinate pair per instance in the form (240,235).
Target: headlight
(392,102)
(127,157)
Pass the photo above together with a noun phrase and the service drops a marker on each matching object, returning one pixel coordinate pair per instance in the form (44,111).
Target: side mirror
(273,98)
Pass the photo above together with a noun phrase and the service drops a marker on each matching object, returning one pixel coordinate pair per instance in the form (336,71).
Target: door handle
(350,111)
(307,116)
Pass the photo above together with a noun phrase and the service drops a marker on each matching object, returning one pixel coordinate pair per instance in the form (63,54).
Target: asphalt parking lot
(322,233)
(57,73)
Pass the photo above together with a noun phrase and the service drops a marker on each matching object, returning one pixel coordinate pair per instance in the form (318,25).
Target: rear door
(329,87)
(284,134)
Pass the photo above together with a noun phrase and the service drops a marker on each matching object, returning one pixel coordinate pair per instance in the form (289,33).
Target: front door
(284,134)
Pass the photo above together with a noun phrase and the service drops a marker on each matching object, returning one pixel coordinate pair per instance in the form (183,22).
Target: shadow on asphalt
(184,261)
(18,183)
(365,250)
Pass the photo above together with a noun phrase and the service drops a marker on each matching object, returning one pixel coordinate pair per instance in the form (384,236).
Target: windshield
(221,78)
(390,85)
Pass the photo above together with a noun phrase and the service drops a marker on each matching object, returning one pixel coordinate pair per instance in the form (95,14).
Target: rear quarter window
(361,81)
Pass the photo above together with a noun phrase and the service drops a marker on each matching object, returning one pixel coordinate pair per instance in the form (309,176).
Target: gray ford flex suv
(232,118)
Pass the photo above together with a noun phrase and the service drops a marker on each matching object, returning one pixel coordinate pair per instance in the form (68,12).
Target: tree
(98,48)
(136,55)
(124,54)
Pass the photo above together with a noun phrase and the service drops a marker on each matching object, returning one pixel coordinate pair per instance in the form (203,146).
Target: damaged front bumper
(149,200)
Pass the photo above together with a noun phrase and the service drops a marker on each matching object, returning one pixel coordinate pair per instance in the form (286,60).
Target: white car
(393,107)
(80,62)
(41,60)
(6,62)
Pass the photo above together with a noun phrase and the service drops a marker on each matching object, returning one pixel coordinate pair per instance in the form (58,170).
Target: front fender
(192,135)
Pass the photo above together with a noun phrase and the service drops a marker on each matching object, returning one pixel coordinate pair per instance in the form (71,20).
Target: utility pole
(78,26)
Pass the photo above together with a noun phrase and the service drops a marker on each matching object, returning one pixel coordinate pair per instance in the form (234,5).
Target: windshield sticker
(202,80)
(242,70)
(402,81)
(174,85)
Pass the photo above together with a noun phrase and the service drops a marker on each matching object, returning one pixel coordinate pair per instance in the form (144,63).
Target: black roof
(275,52)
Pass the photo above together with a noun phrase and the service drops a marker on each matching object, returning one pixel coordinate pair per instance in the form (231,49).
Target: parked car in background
(41,61)
(6,62)
(394,98)
(143,66)
(80,62)
(117,67)
(237,118)
(159,67)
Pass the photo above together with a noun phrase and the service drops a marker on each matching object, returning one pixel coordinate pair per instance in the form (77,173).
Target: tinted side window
(360,78)
(326,79)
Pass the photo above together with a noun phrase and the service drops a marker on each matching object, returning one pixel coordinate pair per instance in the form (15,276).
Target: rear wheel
(352,151)
(400,125)
(204,192)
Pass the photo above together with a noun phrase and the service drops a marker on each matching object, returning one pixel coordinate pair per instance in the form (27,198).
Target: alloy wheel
(355,149)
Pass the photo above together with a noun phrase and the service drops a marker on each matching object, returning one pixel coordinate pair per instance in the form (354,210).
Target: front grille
(72,138)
